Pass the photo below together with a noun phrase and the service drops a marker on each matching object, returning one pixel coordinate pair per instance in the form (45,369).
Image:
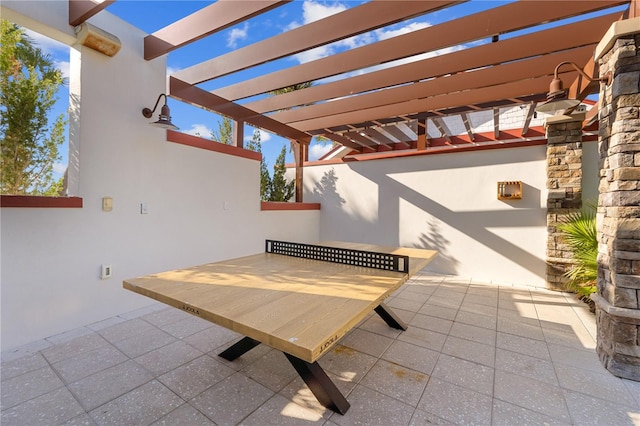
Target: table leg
(390,317)
(320,384)
(242,346)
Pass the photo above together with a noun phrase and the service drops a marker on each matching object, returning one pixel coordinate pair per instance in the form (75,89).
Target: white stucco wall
(445,202)
(51,257)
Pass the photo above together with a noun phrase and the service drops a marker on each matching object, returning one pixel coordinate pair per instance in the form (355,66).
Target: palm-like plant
(580,233)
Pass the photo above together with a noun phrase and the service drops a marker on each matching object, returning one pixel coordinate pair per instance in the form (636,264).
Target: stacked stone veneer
(618,219)
(564,184)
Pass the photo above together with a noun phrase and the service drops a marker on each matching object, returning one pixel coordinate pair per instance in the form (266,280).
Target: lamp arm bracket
(604,79)
(149,112)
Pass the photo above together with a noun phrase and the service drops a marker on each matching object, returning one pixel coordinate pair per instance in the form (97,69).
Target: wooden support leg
(237,349)
(390,317)
(320,384)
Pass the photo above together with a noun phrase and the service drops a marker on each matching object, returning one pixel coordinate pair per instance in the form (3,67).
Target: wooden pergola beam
(531,110)
(535,86)
(357,20)
(515,71)
(467,126)
(211,19)
(463,30)
(81,10)
(496,123)
(194,95)
(442,128)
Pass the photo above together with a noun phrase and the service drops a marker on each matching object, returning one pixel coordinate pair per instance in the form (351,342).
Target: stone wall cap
(557,119)
(621,313)
(616,30)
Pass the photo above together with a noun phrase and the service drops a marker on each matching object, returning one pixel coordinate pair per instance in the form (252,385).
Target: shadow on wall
(480,225)
(326,190)
(433,239)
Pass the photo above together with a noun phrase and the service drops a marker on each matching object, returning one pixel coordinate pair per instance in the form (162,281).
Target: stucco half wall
(446,202)
(202,206)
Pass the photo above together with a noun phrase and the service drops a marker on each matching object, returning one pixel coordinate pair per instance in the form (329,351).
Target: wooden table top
(299,306)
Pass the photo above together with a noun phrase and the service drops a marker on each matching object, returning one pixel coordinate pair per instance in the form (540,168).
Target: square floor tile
(347,363)
(411,356)
(438,311)
(396,381)
(456,404)
(602,385)
(74,347)
(166,358)
(428,322)
(469,375)
(211,338)
(231,400)
(54,407)
(386,410)
(533,394)
(108,384)
(424,338)
(87,363)
(367,342)
(523,345)
(473,333)
(506,414)
(142,405)
(273,370)
(184,415)
(471,351)
(280,411)
(585,410)
(22,365)
(126,329)
(526,366)
(186,327)
(195,377)
(29,385)
(422,418)
(140,344)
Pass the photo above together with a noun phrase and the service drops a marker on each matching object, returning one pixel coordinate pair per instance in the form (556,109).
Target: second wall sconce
(164,119)
(557,98)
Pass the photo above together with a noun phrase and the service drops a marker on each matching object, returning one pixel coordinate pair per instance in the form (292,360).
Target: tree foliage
(281,190)
(224,134)
(274,188)
(29,82)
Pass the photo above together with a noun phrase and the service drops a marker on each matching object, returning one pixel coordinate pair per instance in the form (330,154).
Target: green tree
(281,190)
(29,82)
(265,180)
(225,132)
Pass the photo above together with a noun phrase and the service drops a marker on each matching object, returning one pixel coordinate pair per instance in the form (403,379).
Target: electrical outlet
(144,208)
(105,272)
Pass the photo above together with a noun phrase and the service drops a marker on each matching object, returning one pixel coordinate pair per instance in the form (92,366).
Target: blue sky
(154,15)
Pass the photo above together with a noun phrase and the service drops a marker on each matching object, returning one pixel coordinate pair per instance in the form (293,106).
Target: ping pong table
(298,298)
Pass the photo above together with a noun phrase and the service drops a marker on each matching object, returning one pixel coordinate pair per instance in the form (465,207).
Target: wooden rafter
(351,22)
(467,126)
(515,71)
(215,17)
(81,10)
(496,123)
(510,17)
(191,94)
(442,128)
(531,110)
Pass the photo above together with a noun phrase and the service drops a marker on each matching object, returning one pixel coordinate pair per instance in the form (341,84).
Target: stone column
(564,182)
(618,219)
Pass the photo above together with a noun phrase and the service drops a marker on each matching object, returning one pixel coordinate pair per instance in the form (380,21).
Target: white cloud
(237,34)
(383,34)
(313,11)
(264,136)
(48,45)
(64,67)
(316,151)
(59,168)
(200,130)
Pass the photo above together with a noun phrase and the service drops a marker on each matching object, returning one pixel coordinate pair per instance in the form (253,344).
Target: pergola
(499,57)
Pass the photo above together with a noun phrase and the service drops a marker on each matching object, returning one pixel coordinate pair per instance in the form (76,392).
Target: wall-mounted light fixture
(557,98)
(97,39)
(164,119)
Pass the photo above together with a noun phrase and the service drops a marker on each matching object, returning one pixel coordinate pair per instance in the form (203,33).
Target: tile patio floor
(474,354)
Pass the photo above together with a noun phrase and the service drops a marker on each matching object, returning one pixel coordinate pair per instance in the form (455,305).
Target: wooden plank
(351,22)
(467,29)
(299,306)
(206,21)
(514,71)
(81,10)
